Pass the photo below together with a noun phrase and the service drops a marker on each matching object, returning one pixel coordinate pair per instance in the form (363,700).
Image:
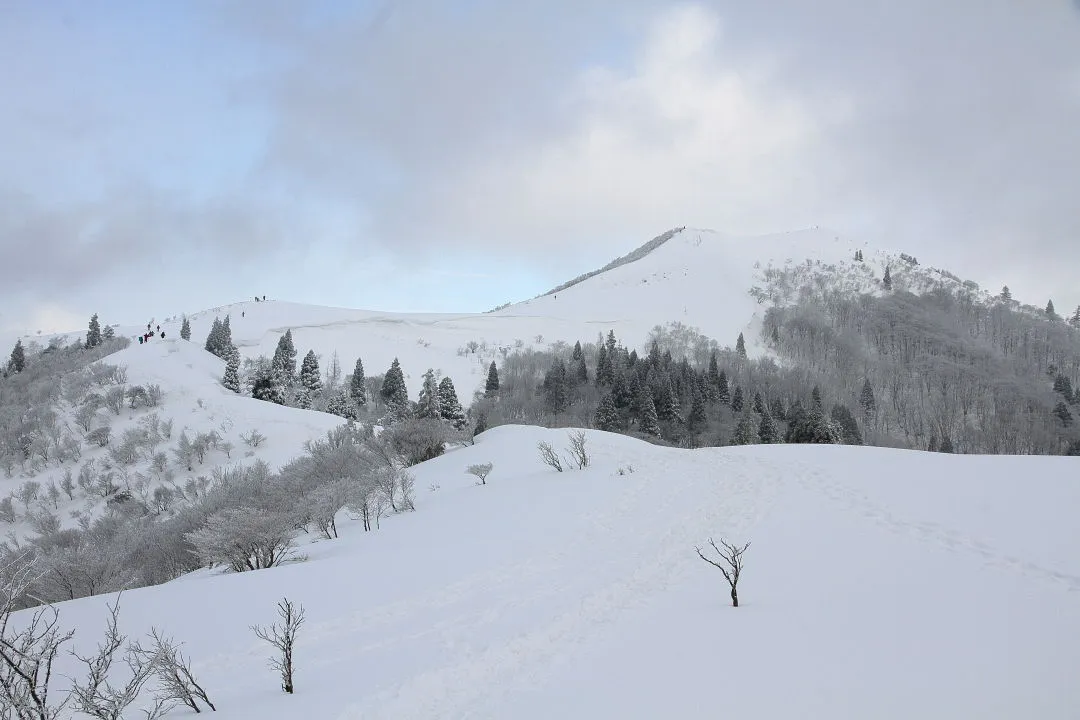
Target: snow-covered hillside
(879,583)
(700,278)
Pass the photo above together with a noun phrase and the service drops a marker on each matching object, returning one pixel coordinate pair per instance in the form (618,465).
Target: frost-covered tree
(886,279)
(428,405)
(740,346)
(649,424)
(185,329)
(17,363)
(268,383)
(767,432)
(231,379)
(849,429)
(745,432)
(723,390)
(1006,294)
(213,338)
(394,393)
(866,400)
(556,388)
(696,419)
(1061,412)
(607,415)
(1050,312)
(449,406)
(340,405)
(219,339)
(285,357)
(310,376)
(357,387)
(737,400)
(93,334)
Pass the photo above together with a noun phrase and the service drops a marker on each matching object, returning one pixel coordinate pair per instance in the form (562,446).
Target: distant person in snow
(256,298)
(141,340)
(243,313)
(264,298)
(162,334)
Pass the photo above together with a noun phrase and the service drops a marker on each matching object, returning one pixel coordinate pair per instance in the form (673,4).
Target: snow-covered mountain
(879,583)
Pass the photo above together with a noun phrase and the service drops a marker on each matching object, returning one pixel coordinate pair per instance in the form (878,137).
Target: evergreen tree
(268,387)
(712,379)
(696,419)
(737,399)
(796,419)
(776,409)
(654,355)
(581,372)
(428,405)
(284,356)
(1061,411)
(225,343)
(745,432)
(18,358)
(1050,310)
(93,334)
(339,405)
(302,398)
(740,347)
(605,374)
(556,388)
(866,400)
(213,338)
(767,431)
(1006,295)
(815,400)
(357,387)
(185,329)
(394,393)
(887,279)
(1063,385)
(108,333)
(310,375)
(1075,319)
(776,336)
(667,405)
(491,387)
(723,392)
(607,415)
(611,342)
(946,445)
(231,379)
(932,446)
(578,353)
(759,403)
(849,429)
(481,425)
(449,406)
(631,359)
(650,424)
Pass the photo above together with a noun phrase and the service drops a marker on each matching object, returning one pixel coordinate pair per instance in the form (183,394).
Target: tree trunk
(734,597)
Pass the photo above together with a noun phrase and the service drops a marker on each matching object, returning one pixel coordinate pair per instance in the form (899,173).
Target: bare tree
(97,697)
(27,655)
(176,681)
(548,456)
(578,454)
(731,567)
(481,471)
(253,438)
(283,636)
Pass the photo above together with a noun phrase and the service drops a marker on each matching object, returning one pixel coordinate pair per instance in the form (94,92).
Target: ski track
(477,680)
(934,533)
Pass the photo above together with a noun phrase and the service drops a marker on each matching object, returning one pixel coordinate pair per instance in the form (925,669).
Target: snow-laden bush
(243,538)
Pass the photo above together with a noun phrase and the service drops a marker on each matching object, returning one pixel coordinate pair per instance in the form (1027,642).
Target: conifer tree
(449,406)
(745,432)
(556,388)
(1050,310)
(605,375)
(1006,294)
(667,402)
(357,386)
(740,346)
(225,343)
(213,338)
(696,419)
(339,405)
(267,386)
(886,280)
(491,387)
(93,334)
(650,424)
(428,404)
(776,409)
(284,357)
(578,353)
(866,400)
(1061,410)
(607,415)
(581,372)
(18,357)
(310,375)
(302,398)
(723,392)
(611,342)
(231,379)
(946,445)
(394,393)
(712,379)
(737,399)
(108,333)
(775,336)
(767,431)
(759,403)
(845,421)
(654,355)
(185,329)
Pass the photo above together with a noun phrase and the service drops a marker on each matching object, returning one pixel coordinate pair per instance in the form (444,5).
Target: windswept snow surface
(700,278)
(880,584)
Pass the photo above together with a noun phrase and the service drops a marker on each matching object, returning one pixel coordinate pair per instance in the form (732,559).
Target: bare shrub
(243,538)
(326,502)
(282,636)
(578,455)
(136,396)
(84,416)
(176,681)
(99,436)
(154,395)
(732,564)
(548,456)
(481,471)
(114,399)
(253,439)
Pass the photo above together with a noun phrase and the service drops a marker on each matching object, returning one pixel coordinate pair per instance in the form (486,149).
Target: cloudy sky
(157,158)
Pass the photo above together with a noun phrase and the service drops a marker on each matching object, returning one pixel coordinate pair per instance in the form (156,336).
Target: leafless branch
(732,564)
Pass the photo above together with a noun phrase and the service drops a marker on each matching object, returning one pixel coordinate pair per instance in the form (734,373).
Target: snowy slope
(700,278)
(880,583)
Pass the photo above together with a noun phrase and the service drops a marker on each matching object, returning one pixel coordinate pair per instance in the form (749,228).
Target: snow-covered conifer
(394,393)
(357,388)
(18,357)
(231,380)
(491,387)
(449,405)
(607,415)
(428,404)
(310,377)
(185,329)
(93,334)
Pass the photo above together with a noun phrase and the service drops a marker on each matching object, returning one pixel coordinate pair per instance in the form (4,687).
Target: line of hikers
(145,337)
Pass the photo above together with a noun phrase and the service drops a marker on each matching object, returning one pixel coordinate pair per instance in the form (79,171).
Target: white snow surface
(879,584)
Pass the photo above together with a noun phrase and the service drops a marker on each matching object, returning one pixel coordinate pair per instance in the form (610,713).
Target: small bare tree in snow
(282,636)
(481,471)
(96,696)
(176,682)
(578,455)
(548,456)
(253,439)
(732,564)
